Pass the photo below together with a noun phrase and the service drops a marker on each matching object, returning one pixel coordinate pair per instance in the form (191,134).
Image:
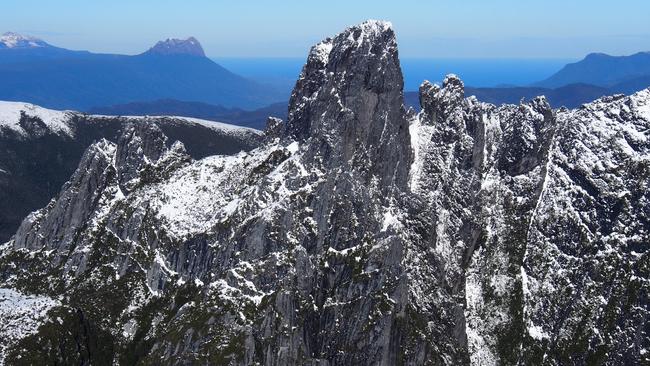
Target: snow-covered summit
(15,40)
(375,33)
(175,46)
(11,113)
(336,70)
(59,122)
(375,26)
(355,36)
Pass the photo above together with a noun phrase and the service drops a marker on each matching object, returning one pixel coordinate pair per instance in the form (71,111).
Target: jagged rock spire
(138,145)
(350,97)
(56,226)
(437,102)
(523,239)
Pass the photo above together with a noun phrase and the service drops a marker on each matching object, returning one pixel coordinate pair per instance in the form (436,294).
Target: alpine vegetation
(357,233)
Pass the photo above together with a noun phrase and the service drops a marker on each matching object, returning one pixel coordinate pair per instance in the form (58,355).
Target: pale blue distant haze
(510,29)
(490,72)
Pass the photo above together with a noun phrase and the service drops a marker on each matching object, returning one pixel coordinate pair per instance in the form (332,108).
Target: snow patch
(420,138)
(391,220)
(10,113)
(480,347)
(322,51)
(15,40)
(20,316)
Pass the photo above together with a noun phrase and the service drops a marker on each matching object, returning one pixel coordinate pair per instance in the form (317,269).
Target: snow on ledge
(213,125)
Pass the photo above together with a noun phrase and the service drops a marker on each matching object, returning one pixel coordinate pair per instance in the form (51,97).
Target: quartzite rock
(358,233)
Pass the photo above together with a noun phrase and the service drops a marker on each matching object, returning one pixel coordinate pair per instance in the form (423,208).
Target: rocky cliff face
(40,149)
(357,233)
(524,205)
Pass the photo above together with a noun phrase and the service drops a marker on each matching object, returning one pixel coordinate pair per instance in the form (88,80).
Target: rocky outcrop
(357,233)
(273,129)
(40,149)
(138,146)
(174,46)
(348,101)
(489,177)
(57,226)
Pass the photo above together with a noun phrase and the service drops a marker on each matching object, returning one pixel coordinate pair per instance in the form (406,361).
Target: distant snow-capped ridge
(356,233)
(175,46)
(59,122)
(15,40)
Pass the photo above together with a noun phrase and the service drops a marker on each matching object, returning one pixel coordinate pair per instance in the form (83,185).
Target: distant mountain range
(170,107)
(19,49)
(595,76)
(175,78)
(570,96)
(602,70)
(34,71)
(582,87)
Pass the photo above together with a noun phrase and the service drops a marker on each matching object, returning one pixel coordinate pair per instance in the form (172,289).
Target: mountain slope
(357,233)
(601,70)
(80,80)
(41,148)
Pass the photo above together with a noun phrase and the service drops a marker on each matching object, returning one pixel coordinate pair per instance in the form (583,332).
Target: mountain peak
(349,95)
(377,26)
(602,70)
(175,46)
(361,58)
(15,40)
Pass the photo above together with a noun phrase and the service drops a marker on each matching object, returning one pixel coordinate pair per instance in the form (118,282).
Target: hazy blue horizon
(476,72)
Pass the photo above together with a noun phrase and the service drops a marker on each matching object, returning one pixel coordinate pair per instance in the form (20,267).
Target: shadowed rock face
(357,233)
(138,145)
(348,102)
(37,159)
(72,210)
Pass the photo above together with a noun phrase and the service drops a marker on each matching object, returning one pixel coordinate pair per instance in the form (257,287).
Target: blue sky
(256,28)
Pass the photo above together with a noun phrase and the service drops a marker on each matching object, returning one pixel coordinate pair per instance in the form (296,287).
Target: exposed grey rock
(349,102)
(57,226)
(40,149)
(274,128)
(139,144)
(359,234)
